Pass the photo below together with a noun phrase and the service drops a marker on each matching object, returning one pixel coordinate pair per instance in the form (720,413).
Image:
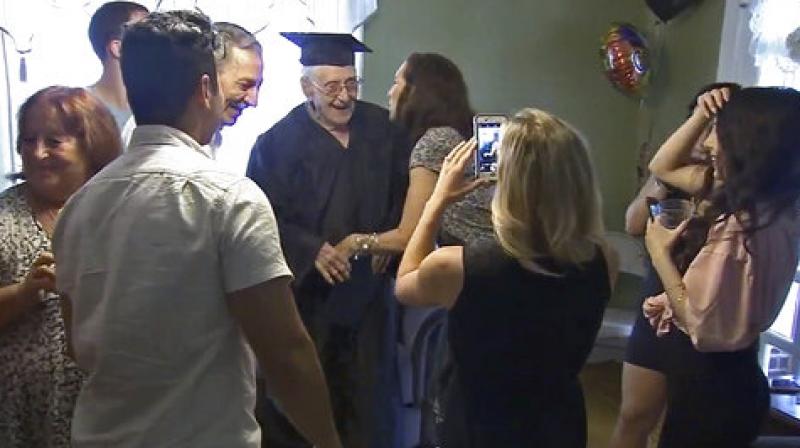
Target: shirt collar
(161,135)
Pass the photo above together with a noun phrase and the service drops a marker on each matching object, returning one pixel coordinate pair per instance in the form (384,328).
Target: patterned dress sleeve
(431,149)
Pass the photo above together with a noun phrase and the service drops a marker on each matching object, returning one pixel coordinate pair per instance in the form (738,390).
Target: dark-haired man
(173,275)
(105,34)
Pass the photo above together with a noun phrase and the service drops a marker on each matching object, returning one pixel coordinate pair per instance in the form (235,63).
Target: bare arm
(636,215)
(612,263)
(427,277)
(13,304)
(269,319)
(660,241)
(19,298)
(420,187)
(672,163)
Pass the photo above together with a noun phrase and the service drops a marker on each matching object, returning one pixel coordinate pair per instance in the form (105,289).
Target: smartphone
(488,131)
(653,207)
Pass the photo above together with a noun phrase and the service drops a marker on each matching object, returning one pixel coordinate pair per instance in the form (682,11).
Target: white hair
(311,72)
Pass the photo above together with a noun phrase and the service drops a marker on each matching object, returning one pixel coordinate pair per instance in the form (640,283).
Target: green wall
(689,52)
(517,53)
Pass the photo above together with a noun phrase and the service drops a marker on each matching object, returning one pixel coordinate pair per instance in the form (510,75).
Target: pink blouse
(733,295)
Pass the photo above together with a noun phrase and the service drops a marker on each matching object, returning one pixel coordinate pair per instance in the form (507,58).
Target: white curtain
(343,16)
(771,23)
(60,53)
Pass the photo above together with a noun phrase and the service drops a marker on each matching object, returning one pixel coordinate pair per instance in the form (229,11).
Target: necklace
(44,215)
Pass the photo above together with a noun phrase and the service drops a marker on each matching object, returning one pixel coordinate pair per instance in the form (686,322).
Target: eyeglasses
(334,88)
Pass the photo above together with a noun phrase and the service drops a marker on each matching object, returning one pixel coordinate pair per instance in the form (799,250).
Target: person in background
(333,167)
(105,34)
(65,136)
(172,272)
(240,69)
(429,99)
(643,381)
(726,272)
(547,277)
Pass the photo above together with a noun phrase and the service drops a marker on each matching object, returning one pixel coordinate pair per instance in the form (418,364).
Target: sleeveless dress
(518,340)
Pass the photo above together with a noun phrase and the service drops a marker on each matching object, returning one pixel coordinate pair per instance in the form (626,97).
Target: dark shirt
(321,191)
(519,340)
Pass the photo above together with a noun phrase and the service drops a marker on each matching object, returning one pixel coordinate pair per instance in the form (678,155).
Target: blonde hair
(546,202)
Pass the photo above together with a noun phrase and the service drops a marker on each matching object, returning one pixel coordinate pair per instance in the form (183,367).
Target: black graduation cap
(327,48)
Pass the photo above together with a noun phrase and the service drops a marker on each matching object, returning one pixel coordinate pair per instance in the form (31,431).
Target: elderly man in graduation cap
(335,170)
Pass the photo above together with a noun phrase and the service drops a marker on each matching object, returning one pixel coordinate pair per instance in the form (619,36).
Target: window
(60,53)
(754,51)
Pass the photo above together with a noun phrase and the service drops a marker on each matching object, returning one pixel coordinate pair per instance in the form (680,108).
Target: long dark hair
(758,131)
(759,135)
(435,95)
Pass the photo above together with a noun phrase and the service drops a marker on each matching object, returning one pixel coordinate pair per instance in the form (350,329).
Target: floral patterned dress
(38,382)
(470,219)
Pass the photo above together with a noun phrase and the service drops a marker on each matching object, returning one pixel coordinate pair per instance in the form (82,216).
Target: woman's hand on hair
(710,103)
(452,185)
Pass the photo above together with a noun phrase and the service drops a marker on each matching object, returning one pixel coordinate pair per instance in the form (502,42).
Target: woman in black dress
(644,384)
(524,308)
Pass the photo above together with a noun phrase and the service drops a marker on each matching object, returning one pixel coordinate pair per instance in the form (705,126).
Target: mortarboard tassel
(23,70)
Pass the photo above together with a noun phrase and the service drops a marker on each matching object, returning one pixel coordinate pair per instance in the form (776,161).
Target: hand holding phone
(488,133)
(653,208)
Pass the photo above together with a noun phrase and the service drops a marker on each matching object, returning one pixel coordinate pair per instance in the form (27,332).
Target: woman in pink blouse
(727,271)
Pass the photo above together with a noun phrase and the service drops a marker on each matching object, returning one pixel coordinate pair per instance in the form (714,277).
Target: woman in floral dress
(65,136)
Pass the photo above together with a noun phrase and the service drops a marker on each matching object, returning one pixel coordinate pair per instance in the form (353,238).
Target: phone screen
(488,131)
(653,207)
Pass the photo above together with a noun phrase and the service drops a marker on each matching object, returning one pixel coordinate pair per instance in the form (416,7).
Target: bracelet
(364,243)
(679,295)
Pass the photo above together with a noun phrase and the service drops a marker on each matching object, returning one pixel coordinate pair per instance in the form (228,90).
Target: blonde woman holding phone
(524,308)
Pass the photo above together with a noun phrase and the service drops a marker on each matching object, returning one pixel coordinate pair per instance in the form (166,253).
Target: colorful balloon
(625,57)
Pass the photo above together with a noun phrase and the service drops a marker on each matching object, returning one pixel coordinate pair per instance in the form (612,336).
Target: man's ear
(114,48)
(205,90)
(305,85)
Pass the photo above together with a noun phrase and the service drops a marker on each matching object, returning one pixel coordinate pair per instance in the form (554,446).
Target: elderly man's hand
(332,264)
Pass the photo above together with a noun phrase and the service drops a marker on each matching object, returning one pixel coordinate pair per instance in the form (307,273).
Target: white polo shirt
(146,251)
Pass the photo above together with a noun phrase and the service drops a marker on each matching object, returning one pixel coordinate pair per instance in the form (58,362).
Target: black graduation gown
(322,192)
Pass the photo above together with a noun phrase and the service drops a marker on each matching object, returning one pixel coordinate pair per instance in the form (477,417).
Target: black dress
(518,341)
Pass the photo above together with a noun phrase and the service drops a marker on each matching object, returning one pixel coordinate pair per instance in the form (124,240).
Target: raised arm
(420,187)
(672,164)
(426,162)
(435,277)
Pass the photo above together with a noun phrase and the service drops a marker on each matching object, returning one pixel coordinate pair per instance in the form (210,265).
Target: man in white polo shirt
(170,267)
